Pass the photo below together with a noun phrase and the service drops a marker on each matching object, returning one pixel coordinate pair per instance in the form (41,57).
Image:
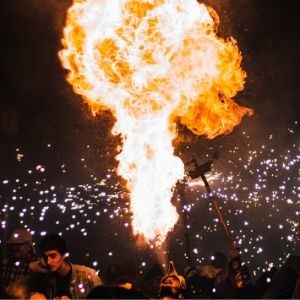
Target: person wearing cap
(20,255)
(172,285)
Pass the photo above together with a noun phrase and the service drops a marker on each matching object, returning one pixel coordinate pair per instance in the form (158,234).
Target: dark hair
(219,260)
(53,241)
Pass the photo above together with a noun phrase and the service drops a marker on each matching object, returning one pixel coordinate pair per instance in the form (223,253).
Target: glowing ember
(151,62)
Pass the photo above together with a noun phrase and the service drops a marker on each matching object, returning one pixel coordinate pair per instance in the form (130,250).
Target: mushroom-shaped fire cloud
(152,62)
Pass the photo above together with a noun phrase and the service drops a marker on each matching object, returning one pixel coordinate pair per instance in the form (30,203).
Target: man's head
(20,243)
(172,285)
(54,250)
(219,260)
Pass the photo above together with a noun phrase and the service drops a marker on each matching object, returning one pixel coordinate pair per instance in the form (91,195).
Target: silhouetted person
(240,279)
(197,285)
(20,255)
(151,281)
(263,282)
(282,285)
(285,279)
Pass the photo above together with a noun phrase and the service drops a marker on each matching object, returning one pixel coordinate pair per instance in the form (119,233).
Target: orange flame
(151,62)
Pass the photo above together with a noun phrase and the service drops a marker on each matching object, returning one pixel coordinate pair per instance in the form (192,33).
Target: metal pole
(199,171)
(218,212)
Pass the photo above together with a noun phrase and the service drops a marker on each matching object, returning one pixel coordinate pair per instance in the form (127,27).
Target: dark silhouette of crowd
(51,275)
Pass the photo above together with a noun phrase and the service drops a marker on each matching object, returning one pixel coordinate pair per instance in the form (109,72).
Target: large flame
(152,62)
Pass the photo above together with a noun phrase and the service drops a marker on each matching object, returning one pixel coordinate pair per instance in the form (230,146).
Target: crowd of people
(25,275)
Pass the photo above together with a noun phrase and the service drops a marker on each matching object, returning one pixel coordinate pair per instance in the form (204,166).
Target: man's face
(20,251)
(170,287)
(53,259)
(171,282)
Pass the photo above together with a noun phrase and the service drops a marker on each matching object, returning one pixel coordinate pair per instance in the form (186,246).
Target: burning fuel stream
(152,63)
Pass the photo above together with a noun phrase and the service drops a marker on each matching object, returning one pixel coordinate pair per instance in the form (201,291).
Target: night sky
(57,167)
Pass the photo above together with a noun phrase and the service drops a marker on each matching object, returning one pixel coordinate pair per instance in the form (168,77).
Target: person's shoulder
(81,271)
(38,266)
(83,268)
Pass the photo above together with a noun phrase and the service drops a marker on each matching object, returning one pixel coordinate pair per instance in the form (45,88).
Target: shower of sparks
(259,193)
(260,197)
(152,63)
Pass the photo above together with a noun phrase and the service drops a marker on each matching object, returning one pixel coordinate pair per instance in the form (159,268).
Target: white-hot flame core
(151,169)
(149,62)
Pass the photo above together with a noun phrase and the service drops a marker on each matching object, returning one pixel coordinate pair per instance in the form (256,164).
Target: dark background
(45,125)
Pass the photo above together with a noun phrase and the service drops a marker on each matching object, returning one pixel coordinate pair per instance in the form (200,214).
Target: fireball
(151,63)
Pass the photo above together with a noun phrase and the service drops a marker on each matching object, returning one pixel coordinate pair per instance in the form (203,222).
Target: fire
(152,62)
